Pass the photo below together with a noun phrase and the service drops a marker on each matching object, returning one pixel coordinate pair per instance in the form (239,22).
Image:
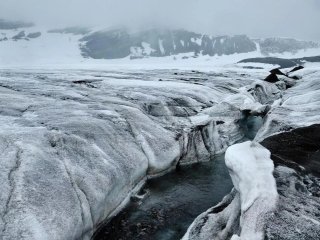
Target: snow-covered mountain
(158,43)
(121,43)
(26,43)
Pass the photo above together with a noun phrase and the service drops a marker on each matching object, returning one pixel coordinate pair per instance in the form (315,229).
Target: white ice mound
(251,171)
(243,213)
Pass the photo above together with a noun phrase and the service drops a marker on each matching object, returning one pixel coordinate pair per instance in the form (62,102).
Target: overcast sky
(257,18)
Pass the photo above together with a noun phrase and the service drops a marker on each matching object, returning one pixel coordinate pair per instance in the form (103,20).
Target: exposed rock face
(121,43)
(272,78)
(298,149)
(277,71)
(76,144)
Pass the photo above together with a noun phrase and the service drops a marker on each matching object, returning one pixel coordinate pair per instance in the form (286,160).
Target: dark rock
(107,45)
(297,148)
(87,83)
(19,36)
(219,122)
(296,69)
(277,71)
(34,35)
(251,67)
(272,78)
(295,78)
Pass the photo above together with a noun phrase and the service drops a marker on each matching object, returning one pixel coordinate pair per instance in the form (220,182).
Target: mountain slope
(26,44)
(120,43)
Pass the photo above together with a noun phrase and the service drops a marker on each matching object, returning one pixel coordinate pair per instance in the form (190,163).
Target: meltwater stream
(174,201)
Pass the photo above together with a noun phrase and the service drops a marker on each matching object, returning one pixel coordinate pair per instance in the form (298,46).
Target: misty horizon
(257,19)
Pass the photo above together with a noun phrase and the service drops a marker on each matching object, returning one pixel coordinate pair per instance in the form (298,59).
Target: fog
(256,18)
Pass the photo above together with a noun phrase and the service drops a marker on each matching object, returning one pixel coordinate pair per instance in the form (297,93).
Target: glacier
(76,144)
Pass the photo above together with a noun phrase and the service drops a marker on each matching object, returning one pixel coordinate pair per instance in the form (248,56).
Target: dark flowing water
(174,201)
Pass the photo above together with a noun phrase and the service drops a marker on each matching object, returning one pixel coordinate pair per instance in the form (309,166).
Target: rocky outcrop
(298,149)
(272,78)
(296,69)
(284,78)
(277,71)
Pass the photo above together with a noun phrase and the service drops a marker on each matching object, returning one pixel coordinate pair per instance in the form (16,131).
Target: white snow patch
(161,46)
(49,48)
(147,49)
(198,41)
(214,43)
(136,51)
